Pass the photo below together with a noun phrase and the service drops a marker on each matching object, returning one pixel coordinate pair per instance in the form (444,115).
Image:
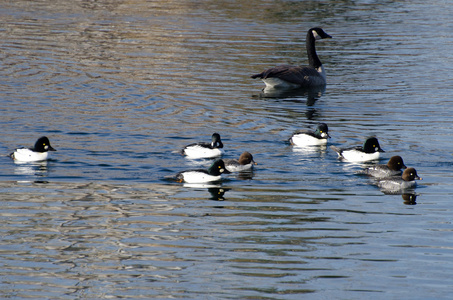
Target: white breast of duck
(311,138)
(201,176)
(205,150)
(198,177)
(200,151)
(28,155)
(359,156)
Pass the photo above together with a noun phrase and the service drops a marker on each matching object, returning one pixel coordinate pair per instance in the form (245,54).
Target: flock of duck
(388,177)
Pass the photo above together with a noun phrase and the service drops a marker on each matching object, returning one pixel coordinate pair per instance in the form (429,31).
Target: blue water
(120,87)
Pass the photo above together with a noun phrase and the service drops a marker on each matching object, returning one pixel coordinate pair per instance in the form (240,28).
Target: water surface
(119,87)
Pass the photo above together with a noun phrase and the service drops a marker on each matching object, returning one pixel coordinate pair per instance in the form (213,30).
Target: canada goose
(287,76)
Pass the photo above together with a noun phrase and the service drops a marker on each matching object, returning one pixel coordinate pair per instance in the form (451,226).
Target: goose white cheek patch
(316,35)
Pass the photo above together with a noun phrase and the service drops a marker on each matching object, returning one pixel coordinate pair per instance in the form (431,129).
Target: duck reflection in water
(38,168)
(310,150)
(409,198)
(216,191)
(245,175)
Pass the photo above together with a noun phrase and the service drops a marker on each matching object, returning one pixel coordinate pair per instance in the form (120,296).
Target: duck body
(371,150)
(39,152)
(205,150)
(311,138)
(400,183)
(392,168)
(202,176)
(289,77)
(244,163)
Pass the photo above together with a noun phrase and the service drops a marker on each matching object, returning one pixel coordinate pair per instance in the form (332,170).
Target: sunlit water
(120,87)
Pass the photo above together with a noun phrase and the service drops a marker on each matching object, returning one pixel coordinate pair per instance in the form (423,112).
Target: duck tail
(336,149)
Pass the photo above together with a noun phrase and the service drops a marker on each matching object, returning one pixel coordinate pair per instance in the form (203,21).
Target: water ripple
(119,88)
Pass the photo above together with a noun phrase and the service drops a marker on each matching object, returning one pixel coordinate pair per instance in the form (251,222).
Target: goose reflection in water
(306,95)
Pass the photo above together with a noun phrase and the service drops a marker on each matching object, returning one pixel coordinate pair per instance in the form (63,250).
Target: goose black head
(319,34)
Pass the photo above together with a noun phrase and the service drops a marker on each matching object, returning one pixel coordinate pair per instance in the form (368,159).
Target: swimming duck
(311,138)
(392,168)
(369,151)
(245,162)
(399,183)
(204,150)
(38,153)
(288,77)
(201,175)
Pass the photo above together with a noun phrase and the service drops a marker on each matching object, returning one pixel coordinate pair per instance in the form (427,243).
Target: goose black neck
(313,59)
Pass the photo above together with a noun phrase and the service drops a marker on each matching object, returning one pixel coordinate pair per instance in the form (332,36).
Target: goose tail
(260,75)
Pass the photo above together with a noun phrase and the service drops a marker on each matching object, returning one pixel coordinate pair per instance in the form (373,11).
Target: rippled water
(120,86)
